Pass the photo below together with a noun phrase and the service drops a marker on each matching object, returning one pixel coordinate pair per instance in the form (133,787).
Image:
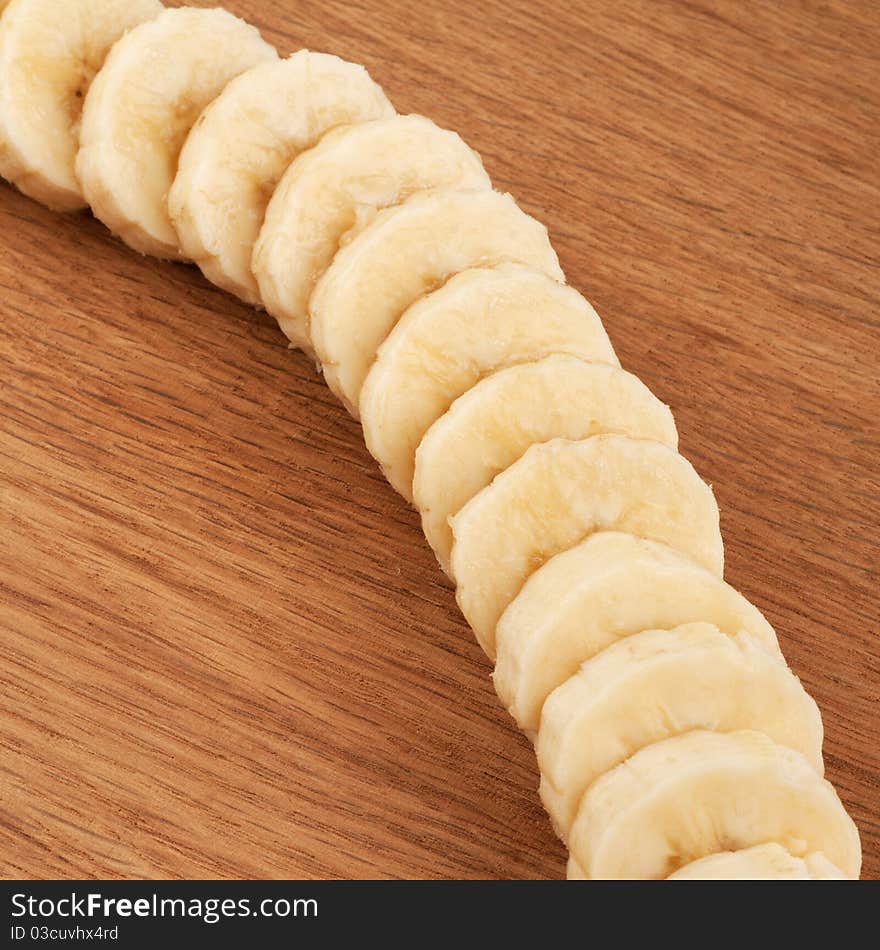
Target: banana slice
(609,586)
(657,684)
(348,176)
(764,862)
(560,492)
(481,320)
(703,792)
(404,253)
(140,108)
(243,143)
(50,51)
(491,426)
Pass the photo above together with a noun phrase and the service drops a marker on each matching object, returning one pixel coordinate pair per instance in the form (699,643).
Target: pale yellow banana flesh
(403,253)
(481,320)
(608,587)
(50,50)
(559,493)
(337,185)
(657,684)
(699,793)
(140,109)
(764,862)
(492,425)
(224,181)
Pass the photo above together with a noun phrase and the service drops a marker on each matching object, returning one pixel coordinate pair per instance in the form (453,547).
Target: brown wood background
(226,650)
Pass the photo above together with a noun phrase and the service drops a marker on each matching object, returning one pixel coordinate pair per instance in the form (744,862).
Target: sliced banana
(349,175)
(488,428)
(560,492)
(140,109)
(763,862)
(243,143)
(657,684)
(703,792)
(609,586)
(50,51)
(402,254)
(481,320)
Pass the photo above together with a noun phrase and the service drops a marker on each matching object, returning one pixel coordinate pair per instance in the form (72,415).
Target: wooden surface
(226,649)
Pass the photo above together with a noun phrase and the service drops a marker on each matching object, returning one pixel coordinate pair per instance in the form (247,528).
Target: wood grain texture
(226,650)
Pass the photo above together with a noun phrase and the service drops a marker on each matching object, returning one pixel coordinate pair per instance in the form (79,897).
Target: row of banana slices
(673,740)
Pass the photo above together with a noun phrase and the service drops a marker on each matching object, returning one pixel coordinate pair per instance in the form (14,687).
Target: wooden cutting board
(226,650)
